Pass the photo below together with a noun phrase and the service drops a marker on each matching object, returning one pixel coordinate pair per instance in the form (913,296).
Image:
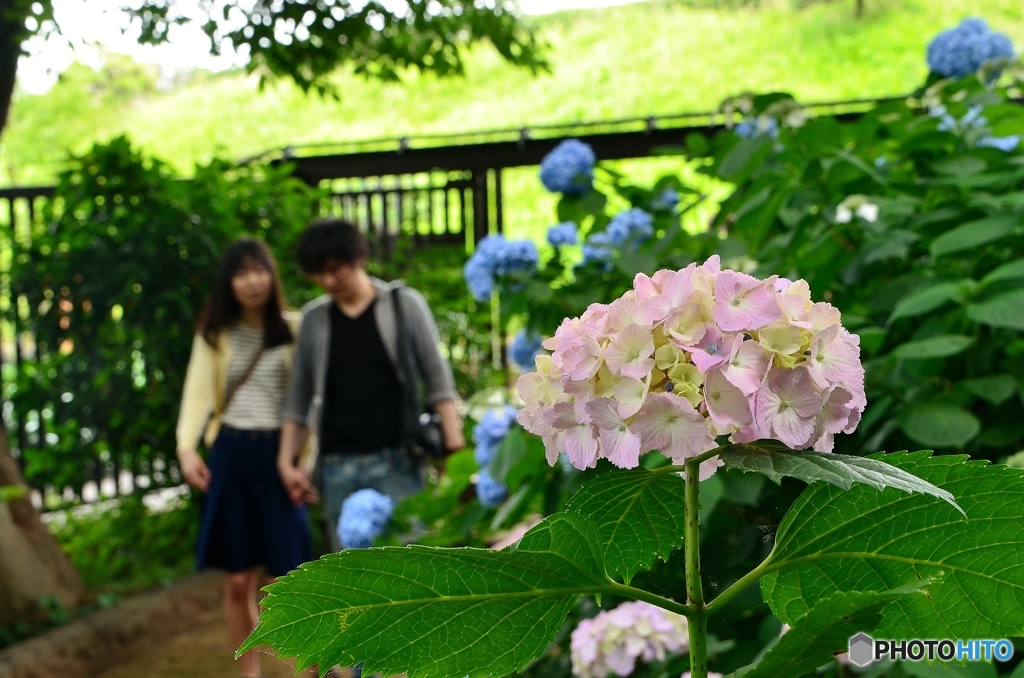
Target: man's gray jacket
(305,400)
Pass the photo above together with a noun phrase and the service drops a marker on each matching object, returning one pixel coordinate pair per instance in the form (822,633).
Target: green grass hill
(660,57)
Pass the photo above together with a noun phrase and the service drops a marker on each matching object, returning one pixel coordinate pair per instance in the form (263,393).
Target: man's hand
(454,440)
(451,426)
(298,485)
(194,469)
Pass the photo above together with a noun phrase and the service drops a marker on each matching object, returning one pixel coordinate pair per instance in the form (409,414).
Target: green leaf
(871,339)
(1005,310)
(925,300)
(638,514)
(818,636)
(934,347)
(939,425)
(894,245)
(775,460)
(973,234)
(835,540)
(434,612)
(957,166)
(996,389)
(1013,270)
(738,158)
(970,670)
(511,452)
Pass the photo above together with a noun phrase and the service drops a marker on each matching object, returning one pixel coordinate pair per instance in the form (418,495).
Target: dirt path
(204,651)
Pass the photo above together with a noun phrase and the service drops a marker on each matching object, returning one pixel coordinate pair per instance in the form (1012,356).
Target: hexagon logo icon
(862,649)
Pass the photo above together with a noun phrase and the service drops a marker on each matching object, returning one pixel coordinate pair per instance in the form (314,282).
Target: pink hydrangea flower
(614,640)
(691,355)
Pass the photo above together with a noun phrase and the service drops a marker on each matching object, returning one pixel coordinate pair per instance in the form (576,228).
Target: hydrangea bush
(906,219)
(667,364)
(797,378)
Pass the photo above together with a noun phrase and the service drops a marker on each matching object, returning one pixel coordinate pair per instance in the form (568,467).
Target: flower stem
(698,620)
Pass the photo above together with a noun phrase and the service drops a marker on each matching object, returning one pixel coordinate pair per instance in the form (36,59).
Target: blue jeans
(388,471)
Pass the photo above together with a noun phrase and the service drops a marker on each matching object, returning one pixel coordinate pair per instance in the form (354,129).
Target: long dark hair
(222,309)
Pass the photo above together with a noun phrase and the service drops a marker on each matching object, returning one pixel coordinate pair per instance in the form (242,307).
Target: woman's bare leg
(241,613)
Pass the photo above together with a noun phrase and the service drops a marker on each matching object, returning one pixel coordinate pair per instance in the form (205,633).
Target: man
(347,381)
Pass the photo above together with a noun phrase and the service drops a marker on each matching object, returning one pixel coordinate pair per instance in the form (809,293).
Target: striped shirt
(259,402)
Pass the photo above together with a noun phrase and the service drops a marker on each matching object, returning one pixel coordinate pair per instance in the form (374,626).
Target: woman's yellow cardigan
(202,399)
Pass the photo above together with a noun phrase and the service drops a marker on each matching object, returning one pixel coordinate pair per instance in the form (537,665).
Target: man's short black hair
(330,242)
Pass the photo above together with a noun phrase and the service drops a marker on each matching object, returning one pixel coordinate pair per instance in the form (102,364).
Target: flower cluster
(569,168)
(856,205)
(667,200)
(495,256)
(689,355)
(562,234)
(614,640)
(963,50)
(489,435)
(489,491)
(626,229)
(524,349)
(760,126)
(974,126)
(364,515)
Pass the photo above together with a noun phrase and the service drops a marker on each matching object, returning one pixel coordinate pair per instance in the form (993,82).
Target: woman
(238,373)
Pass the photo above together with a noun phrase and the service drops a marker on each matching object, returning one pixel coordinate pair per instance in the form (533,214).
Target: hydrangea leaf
(860,539)
(775,460)
(1003,310)
(973,234)
(434,612)
(939,424)
(934,347)
(925,300)
(825,631)
(638,514)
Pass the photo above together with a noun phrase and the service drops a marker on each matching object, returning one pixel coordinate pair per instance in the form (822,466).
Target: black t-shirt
(363,399)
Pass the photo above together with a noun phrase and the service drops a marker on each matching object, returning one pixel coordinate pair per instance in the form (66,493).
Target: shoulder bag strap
(405,355)
(241,382)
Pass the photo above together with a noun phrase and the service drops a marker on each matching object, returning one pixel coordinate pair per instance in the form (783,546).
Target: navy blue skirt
(248,520)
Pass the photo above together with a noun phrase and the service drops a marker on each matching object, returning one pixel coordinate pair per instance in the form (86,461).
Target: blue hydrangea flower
(756,127)
(562,234)
(668,199)
(479,278)
(496,256)
(524,349)
(491,432)
(569,168)
(1006,144)
(364,516)
(961,51)
(489,491)
(518,255)
(598,248)
(630,226)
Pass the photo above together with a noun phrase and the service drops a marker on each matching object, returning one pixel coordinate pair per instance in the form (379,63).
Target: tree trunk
(860,8)
(11,32)
(32,564)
